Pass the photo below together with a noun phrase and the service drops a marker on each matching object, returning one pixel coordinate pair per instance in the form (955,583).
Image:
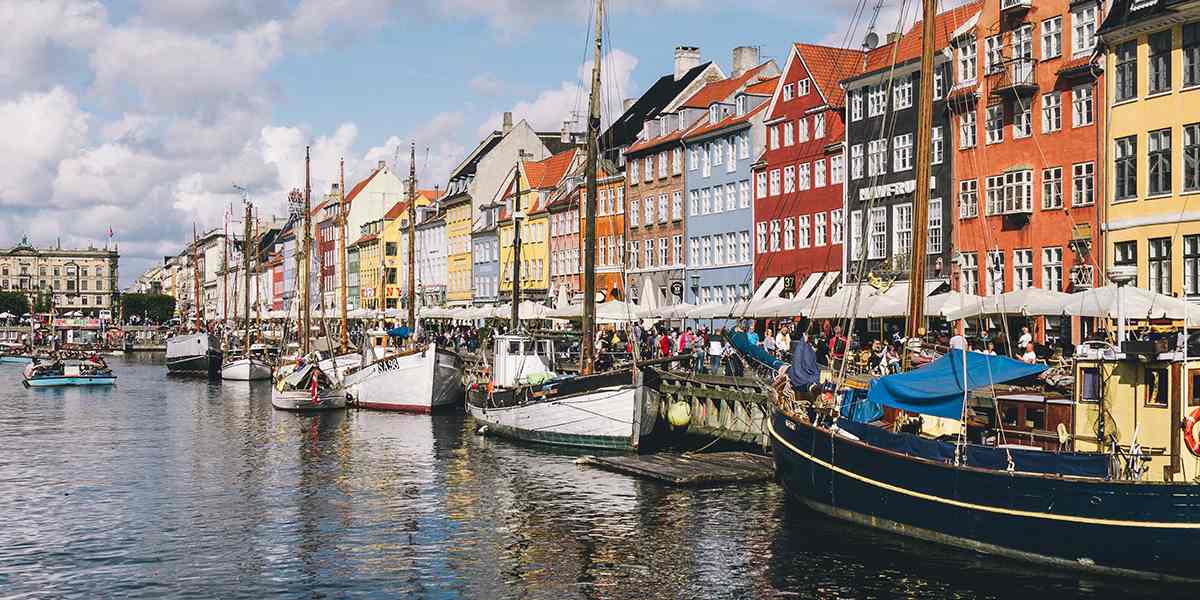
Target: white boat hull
(420,382)
(245,369)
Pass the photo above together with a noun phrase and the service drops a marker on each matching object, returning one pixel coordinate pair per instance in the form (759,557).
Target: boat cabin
(519,356)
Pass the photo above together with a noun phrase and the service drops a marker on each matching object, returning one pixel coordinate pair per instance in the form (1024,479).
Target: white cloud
(486,84)
(40,37)
(39,131)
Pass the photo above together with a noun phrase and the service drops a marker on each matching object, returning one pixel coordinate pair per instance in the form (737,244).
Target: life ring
(1189,436)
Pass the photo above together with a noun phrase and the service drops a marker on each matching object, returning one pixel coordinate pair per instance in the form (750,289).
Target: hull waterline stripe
(973,506)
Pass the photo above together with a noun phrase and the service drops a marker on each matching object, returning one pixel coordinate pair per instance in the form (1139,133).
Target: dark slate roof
(624,131)
(1122,14)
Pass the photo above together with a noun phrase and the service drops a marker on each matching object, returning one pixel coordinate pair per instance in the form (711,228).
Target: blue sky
(140,114)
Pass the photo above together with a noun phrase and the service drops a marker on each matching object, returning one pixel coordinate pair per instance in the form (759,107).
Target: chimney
(686,57)
(564,136)
(628,104)
(333,189)
(507,123)
(744,59)
(382,164)
(893,37)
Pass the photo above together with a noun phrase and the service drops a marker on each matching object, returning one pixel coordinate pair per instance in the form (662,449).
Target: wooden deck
(717,468)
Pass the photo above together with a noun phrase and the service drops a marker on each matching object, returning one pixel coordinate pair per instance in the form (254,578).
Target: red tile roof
(652,142)
(908,47)
(547,173)
(397,209)
(718,91)
(704,126)
(827,66)
(370,237)
(763,87)
(358,187)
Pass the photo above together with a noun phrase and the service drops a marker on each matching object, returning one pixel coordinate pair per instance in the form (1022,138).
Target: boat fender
(482,430)
(1189,434)
(680,414)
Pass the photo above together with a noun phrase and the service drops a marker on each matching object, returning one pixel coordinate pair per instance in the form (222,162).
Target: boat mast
(412,240)
(225,275)
(196,279)
(305,321)
(246,282)
(516,253)
(341,224)
(587,345)
(916,274)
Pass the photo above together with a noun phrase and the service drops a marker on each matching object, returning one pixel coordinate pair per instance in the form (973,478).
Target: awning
(938,388)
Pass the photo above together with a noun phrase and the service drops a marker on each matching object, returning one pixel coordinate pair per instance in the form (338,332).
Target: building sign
(677,288)
(892,189)
(368,292)
(789,284)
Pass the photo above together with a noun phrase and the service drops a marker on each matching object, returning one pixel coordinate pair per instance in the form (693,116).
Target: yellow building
(458,249)
(369,268)
(1152,145)
(395,249)
(539,179)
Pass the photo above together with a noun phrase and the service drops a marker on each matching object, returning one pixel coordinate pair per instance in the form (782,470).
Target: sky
(140,116)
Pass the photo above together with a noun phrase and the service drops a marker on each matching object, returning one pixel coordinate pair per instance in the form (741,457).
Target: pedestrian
(715,350)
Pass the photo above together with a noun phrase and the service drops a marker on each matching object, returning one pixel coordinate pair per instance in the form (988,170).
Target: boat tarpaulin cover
(804,372)
(743,344)
(401,332)
(985,457)
(857,408)
(937,388)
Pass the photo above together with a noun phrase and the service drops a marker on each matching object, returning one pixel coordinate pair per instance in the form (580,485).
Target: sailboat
(194,353)
(420,378)
(309,383)
(525,399)
(1073,509)
(252,364)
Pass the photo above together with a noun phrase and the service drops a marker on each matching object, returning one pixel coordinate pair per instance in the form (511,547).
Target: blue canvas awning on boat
(937,388)
(401,332)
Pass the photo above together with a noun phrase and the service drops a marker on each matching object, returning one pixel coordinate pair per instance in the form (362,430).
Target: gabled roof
(549,172)
(704,127)
(358,187)
(1122,13)
(673,136)
(766,87)
(908,47)
(624,131)
(827,66)
(400,207)
(719,91)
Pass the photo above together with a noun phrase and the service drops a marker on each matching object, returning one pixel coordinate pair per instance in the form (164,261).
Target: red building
(275,264)
(799,219)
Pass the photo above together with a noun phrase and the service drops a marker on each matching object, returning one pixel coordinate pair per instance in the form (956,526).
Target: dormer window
(740,103)
(714,113)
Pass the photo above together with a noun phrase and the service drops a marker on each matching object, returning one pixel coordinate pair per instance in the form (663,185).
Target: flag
(110,233)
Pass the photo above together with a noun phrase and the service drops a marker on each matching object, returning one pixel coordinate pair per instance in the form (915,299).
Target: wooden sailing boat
(194,353)
(251,364)
(1081,510)
(419,378)
(525,399)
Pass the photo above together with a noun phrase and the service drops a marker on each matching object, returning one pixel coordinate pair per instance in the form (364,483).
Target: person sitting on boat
(769,343)
(989,348)
(1030,355)
(783,341)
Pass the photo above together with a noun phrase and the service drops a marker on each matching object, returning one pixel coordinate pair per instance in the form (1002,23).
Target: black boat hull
(1144,529)
(204,365)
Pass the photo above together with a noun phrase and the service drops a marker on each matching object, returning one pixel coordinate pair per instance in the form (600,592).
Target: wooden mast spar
(306,262)
(341,223)
(246,281)
(412,241)
(916,277)
(588,335)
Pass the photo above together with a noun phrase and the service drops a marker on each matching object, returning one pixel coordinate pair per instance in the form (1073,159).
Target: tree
(14,302)
(153,307)
(42,301)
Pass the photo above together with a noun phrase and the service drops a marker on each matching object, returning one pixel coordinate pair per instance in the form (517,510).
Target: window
(939,82)
(789,234)
(1022,122)
(1051,38)
(648,168)
(902,152)
(1083,184)
(1052,189)
(856,161)
(730,160)
(836,226)
(731,247)
(717,153)
(744,193)
(819,126)
(1125,158)
(805,232)
(1160,162)
(1191,157)
(1022,269)
(803,122)
(877,158)
(730,196)
(933,243)
(760,184)
(802,87)
(760,234)
(1191,54)
(694,256)
(694,202)
(856,234)
(693,158)
(937,150)
(902,227)
(1160,62)
(856,105)
(993,54)
(676,206)
(837,169)
(1158,387)
(877,222)
(1083,29)
(805,176)
(662,165)
(705,162)
(789,134)
(1125,254)
(967,61)
(634,206)
(1051,112)
(620,201)
(970,273)
(789,92)
(1191,265)
(744,145)
(649,208)
(995,272)
(789,179)
(819,174)
(1089,389)
(1126,71)
(676,161)
(1160,265)
(995,124)
(876,100)
(774,182)
(677,248)
(774,135)
(740,105)
(775,229)
(966,130)
(1010,193)
(1081,105)
(705,201)
(819,229)
(968,198)
(1052,269)
(902,94)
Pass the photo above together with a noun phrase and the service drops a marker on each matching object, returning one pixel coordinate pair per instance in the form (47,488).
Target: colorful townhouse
(326,236)
(566,233)
(719,151)
(1152,145)
(367,247)
(538,182)
(485,255)
(881,129)
(799,221)
(458,249)
(395,249)
(431,273)
(1026,110)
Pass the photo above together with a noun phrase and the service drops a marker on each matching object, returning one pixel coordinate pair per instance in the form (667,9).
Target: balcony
(1083,277)
(1013,78)
(1015,5)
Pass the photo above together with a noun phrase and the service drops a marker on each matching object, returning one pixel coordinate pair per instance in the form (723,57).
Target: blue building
(485,255)
(720,148)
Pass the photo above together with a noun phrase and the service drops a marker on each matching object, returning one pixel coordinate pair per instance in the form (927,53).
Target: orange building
(566,234)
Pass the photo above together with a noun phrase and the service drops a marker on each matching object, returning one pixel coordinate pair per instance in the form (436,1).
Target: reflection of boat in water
(61,373)
(306,387)
(419,380)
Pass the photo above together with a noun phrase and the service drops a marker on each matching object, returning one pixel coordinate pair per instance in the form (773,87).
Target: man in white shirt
(958,341)
(1025,339)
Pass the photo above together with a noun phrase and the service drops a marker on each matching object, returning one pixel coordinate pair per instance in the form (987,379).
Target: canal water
(169,488)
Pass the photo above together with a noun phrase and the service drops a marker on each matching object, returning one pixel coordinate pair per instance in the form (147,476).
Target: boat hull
(16,360)
(193,354)
(245,369)
(606,411)
(69,381)
(303,400)
(1130,528)
(421,382)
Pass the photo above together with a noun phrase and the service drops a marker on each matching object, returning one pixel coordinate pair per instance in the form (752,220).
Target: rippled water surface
(180,488)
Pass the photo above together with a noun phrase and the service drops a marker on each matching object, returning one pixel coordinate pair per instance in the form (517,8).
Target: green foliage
(155,307)
(14,302)
(42,301)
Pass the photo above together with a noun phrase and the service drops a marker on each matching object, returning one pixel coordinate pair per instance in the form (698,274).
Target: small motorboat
(254,365)
(14,354)
(58,373)
(306,386)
